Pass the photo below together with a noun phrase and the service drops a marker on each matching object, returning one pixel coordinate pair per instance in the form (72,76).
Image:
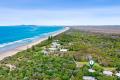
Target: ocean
(15,36)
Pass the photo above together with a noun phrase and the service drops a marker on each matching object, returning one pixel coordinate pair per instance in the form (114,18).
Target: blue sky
(60,12)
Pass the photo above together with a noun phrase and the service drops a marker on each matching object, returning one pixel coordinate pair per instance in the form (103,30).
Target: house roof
(63,50)
(107,72)
(118,74)
(88,78)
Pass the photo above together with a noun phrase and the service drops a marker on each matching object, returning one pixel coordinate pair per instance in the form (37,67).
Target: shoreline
(21,48)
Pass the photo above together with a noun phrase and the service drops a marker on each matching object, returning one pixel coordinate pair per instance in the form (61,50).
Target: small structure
(89,78)
(53,49)
(91,70)
(12,67)
(56,40)
(63,50)
(118,74)
(45,52)
(55,45)
(70,44)
(108,73)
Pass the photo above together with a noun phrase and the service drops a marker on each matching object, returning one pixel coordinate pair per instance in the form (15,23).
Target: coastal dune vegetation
(32,64)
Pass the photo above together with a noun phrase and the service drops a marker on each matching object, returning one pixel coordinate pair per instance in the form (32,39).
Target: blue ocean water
(23,33)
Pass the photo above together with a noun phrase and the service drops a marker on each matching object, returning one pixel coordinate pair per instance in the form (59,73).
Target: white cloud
(92,16)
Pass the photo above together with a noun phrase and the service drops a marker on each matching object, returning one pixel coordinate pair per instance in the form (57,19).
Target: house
(45,52)
(89,78)
(53,49)
(118,74)
(55,45)
(12,67)
(91,70)
(56,40)
(108,73)
(63,50)
(70,44)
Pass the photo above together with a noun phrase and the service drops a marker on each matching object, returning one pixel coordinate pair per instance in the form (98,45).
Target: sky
(60,12)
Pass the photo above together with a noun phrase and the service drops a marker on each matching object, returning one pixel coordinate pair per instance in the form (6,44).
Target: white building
(63,50)
(12,67)
(91,70)
(45,52)
(108,73)
(118,74)
(53,49)
(89,78)
(55,45)
(56,40)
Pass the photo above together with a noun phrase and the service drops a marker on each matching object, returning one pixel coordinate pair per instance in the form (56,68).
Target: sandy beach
(19,49)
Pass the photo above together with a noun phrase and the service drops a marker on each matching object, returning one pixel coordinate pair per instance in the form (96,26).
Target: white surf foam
(28,40)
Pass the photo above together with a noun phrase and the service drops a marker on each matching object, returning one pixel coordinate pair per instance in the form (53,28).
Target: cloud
(89,16)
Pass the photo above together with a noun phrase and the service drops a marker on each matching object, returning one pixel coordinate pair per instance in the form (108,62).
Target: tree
(50,38)
(118,67)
